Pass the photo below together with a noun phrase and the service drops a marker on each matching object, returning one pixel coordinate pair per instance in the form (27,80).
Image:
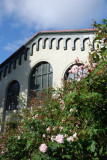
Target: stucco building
(40,63)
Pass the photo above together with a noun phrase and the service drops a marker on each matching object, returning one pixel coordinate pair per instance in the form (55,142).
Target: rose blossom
(84,75)
(65,135)
(94,65)
(78,122)
(81,67)
(70,131)
(63,120)
(70,71)
(70,139)
(71,110)
(2,152)
(52,138)
(61,101)
(86,66)
(54,128)
(58,95)
(43,148)
(43,135)
(48,129)
(74,135)
(62,108)
(75,69)
(100,31)
(61,128)
(59,138)
(77,125)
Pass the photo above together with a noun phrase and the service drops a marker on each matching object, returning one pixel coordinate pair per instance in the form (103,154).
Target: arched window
(41,77)
(12,96)
(75,72)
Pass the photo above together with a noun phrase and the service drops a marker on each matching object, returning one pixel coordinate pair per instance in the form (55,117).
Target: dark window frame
(12,96)
(38,71)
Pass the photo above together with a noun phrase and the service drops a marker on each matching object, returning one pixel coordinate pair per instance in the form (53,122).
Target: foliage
(69,123)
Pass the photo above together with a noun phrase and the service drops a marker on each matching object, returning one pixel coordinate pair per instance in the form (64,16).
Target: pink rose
(54,128)
(65,135)
(86,66)
(77,125)
(48,129)
(63,120)
(43,135)
(94,65)
(58,95)
(61,128)
(43,148)
(81,67)
(59,138)
(75,69)
(61,101)
(71,110)
(74,135)
(84,75)
(2,152)
(52,138)
(62,108)
(100,31)
(70,139)
(70,71)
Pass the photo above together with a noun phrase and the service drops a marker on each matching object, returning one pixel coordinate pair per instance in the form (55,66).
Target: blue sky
(21,19)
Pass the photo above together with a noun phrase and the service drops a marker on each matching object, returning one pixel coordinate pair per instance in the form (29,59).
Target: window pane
(38,70)
(38,82)
(44,68)
(45,82)
(50,80)
(33,83)
(50,68)
(71,76)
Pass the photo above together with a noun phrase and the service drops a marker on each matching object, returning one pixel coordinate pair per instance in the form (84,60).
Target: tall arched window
(41,77)
(75,72)
(12,95)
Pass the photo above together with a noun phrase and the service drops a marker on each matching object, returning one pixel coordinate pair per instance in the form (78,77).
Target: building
(41,62)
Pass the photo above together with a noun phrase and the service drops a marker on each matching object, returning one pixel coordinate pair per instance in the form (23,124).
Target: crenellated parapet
(72,36)
(65,38)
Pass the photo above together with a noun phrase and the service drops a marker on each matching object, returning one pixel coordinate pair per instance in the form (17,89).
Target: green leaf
(92,146)
(101,150)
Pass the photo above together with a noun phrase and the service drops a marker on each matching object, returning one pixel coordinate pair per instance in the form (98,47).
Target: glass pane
(50,68)
(71,76)
(38,70)
(50,80)
(44,82)
(38,82)
(33,83)
(44,68)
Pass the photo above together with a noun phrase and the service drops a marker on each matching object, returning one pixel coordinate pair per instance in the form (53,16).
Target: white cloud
(55,14)
(12,47)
